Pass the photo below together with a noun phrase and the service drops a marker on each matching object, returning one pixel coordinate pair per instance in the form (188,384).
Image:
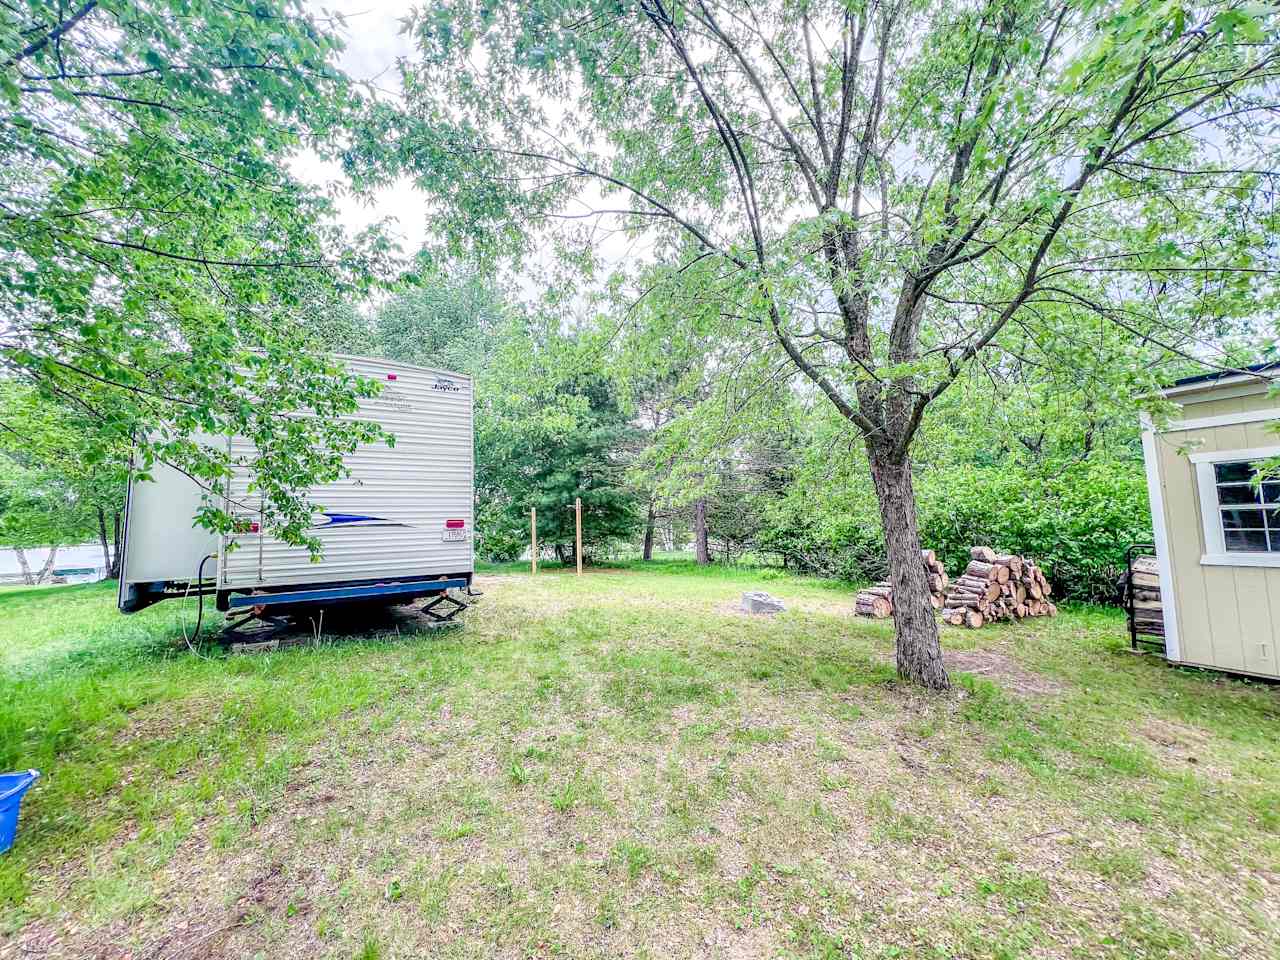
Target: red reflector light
(391,376)
(454,524)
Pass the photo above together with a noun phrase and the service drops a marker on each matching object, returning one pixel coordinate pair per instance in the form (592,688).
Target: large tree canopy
(158,260)
(880,192)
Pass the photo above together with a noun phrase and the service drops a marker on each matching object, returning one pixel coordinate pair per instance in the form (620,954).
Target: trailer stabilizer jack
(266,627)
(443,616)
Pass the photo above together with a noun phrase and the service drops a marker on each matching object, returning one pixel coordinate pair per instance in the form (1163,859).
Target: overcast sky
(374,41)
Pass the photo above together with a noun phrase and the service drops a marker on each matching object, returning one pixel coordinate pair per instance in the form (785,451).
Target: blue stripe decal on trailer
(345,593)
(348,519)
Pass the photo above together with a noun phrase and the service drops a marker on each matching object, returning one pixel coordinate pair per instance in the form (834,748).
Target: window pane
(1271,492)
(1246,541)
(1238,472)
(1229,496)
(1244,519)
(1275,541)
(1273,519)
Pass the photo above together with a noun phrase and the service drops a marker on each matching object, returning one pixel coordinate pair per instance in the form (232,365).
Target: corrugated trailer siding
(412,487)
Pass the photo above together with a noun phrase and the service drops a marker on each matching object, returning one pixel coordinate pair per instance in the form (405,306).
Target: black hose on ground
(195,634)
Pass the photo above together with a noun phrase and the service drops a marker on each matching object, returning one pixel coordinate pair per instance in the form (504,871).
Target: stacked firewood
(1148,611)
(997,586)
(877,601)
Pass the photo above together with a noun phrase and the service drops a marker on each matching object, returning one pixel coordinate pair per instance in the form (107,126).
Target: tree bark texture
(648,533)
(114,571)
(919,653)
(102,538)
(47,569)
(700,531)
(24,566)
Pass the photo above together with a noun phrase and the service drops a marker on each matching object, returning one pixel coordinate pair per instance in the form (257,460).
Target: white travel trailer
(399,527)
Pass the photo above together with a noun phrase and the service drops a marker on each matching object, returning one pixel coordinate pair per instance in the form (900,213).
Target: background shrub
(1075,520)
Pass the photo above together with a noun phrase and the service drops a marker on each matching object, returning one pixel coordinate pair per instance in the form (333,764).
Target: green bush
(841,543)
(500,536)
(1075,521)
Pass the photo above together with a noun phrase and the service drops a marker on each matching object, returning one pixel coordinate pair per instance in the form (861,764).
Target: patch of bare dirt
(164,720)
(1180,745)
(1003,670)
(194,939)
(733,608)
(1167,733)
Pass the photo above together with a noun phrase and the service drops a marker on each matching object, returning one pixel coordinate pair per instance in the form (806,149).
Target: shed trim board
(1238,559)
(1239,385)
(1222,456)
(1226,419)
(1164,560)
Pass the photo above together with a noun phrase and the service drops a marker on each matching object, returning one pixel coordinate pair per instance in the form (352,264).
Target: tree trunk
(700,531)
(114,572)
(648,533)
(24,566)
(102,538)
(919,653)
(47,569)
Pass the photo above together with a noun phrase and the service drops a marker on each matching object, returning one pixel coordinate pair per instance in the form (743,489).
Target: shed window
(1250,512)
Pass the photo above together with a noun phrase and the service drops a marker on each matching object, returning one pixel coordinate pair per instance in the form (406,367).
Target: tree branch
(53,35)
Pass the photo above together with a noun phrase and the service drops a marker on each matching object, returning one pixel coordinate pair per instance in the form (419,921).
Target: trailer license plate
(454,535)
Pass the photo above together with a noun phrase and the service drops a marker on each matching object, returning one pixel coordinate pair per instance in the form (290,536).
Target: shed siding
(1214,408)
(1228,617)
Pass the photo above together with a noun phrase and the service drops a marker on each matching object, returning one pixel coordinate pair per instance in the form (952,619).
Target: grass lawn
(623,765)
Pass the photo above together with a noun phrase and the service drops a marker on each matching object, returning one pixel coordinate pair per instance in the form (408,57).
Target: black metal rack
(1147,633)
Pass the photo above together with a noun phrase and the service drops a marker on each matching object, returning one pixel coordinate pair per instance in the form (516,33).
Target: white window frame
(1215,549)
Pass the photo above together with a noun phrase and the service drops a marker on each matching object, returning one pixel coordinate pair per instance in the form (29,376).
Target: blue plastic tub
(12,788)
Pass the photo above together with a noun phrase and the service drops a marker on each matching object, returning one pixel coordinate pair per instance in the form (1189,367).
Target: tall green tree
(158,260)
(880,192)
(550,430)
(449,318)
(337,324)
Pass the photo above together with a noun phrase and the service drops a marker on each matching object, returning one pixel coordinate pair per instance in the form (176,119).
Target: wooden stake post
(533,533)
(577,510)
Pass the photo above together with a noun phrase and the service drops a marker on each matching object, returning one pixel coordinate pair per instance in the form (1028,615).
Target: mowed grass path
(622,765)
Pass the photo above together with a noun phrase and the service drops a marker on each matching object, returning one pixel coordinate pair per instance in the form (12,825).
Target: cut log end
(996,586)
(872,605)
